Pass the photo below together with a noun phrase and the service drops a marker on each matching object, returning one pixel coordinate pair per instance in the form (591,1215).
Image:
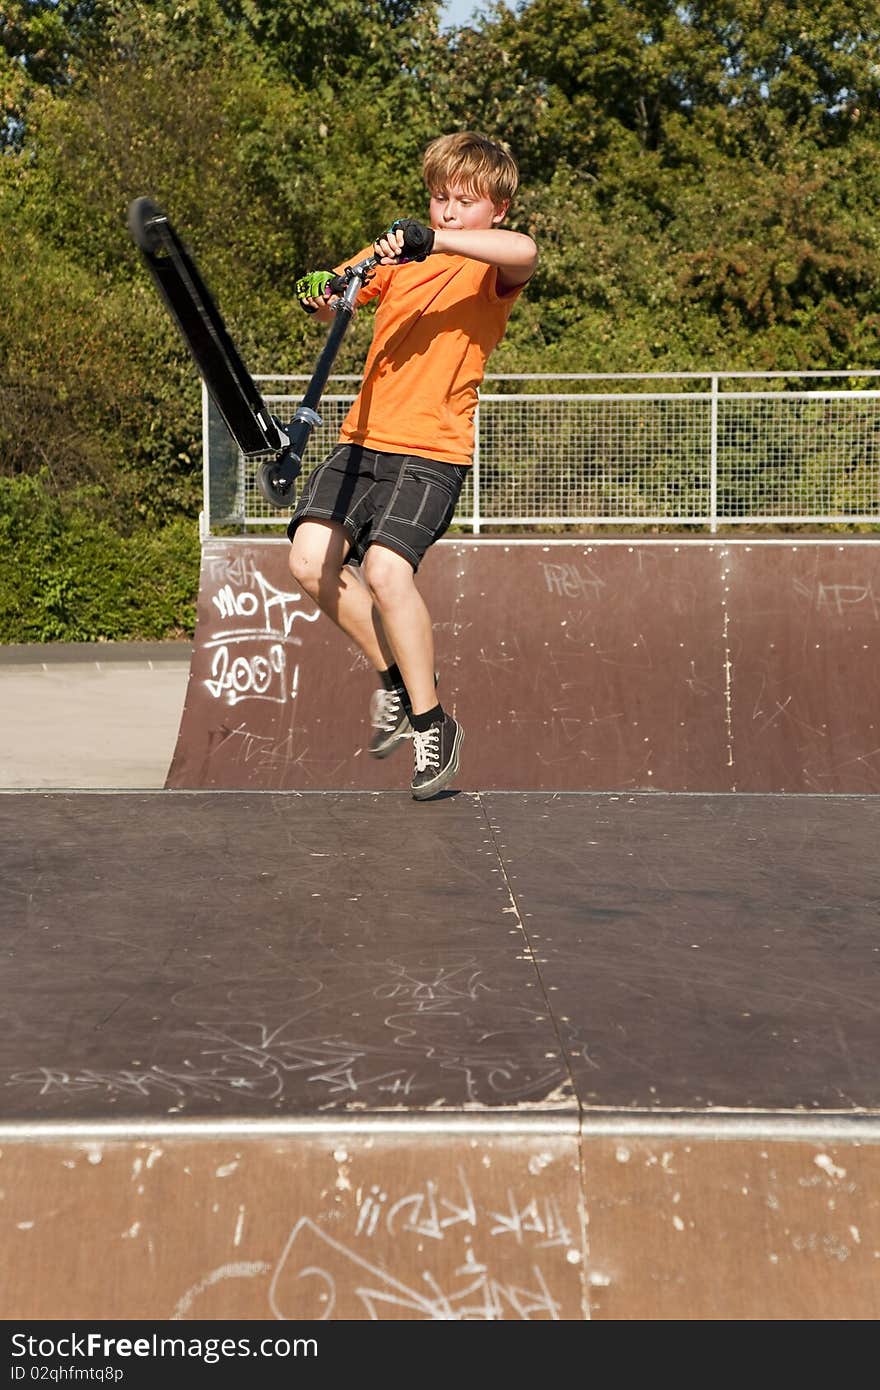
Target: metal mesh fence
(675,448)
(564,457)
(805,455)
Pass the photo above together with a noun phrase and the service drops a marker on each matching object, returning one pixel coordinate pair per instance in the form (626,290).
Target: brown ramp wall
(668,1224)
(679,665)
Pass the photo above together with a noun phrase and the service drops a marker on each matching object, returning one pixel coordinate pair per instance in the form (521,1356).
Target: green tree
(40,45)
(701,180)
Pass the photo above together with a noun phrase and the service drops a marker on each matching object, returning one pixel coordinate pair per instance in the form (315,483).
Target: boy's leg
(405,622)
(411,500)
(317,558)
(437,736)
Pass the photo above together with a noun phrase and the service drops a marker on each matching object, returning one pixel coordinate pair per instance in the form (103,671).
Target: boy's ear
(500,210)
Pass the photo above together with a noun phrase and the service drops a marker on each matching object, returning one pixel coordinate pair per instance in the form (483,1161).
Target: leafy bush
(68,576)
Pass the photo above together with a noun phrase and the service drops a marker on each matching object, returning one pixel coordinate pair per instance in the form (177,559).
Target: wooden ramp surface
(504,1055)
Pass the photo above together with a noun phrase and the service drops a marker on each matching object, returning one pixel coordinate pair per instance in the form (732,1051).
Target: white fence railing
(672,448)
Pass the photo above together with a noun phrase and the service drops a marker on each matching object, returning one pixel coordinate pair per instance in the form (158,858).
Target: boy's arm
(513,253)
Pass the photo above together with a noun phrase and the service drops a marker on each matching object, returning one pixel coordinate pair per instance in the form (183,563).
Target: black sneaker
(435,757)
(389,715)
(390,721)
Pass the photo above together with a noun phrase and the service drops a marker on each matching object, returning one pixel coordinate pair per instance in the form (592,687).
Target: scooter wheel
(277,490)
(143,217)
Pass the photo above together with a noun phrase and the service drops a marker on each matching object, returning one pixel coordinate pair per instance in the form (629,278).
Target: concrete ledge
(90,714)
(93,653)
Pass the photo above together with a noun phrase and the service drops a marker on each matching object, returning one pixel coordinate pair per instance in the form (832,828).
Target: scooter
(230,385)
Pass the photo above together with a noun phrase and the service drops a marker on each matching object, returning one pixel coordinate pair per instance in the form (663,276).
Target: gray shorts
(397,500)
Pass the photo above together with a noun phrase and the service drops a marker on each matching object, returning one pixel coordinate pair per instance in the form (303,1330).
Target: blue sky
(457,12)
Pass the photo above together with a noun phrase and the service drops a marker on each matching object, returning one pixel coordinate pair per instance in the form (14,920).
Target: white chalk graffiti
(276,610)
(233,605)
(257,614)
(344,1274)
(568,582)
(838,598)
(427,1214)
(447,1025)
(323,1276)
(259,676)
(251,1059)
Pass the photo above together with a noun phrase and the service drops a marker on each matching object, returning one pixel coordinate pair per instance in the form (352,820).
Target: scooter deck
(197,317)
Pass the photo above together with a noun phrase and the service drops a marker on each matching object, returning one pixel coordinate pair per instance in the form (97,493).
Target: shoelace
(385,706)
(427,748)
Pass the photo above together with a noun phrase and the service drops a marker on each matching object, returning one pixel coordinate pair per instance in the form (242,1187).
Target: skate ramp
(675,665)
(504,1056)
(280,1043)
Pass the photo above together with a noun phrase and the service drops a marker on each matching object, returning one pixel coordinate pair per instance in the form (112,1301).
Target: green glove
(313,286)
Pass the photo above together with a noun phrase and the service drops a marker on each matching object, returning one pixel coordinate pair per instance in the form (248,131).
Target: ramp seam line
(531,953)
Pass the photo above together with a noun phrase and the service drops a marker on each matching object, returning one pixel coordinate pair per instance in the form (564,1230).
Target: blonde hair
(478,165)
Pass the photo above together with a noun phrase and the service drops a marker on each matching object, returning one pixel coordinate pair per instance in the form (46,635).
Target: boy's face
(457,209)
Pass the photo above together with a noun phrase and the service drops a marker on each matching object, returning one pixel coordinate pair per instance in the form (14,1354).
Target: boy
(389,489)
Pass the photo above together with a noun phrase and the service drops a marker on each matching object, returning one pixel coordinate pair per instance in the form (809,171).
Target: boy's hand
(313,290)
(388,248)
(406,240)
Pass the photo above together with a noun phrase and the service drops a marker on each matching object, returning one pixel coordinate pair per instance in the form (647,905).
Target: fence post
(206,462)
(713,457)
(475,518)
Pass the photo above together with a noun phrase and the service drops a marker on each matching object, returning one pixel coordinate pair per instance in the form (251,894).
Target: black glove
(418,240)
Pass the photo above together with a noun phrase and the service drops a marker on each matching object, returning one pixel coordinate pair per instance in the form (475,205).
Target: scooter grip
(418,240)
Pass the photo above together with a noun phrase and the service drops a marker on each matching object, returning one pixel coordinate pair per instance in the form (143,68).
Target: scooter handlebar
(276,480)
(418,242)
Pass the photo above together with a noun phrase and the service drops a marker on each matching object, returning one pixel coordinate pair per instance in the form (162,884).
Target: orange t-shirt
(437,322)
